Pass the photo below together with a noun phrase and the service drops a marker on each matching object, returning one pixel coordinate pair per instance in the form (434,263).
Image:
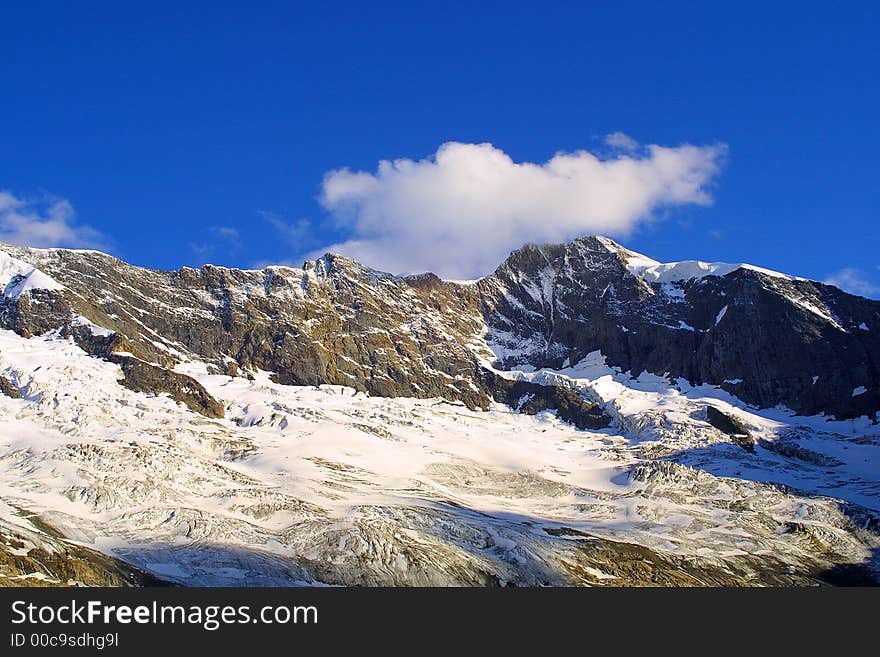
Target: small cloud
(621,141)
(716,233)
(43,223)
(459,212)
(853,281)
(227,233)
(295,232)
(230,237)
(228,240)
(202,251)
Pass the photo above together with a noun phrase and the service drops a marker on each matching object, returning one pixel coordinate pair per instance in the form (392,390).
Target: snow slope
(18,277)
(304,484)
(653,271)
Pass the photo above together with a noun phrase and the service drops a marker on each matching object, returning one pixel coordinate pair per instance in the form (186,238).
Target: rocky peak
(762,335)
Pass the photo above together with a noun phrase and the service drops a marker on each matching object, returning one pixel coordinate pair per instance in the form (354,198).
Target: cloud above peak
(44,223)
(854,281)
(462,210)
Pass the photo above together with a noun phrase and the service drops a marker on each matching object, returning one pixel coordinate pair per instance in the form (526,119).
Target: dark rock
(738,432)
(560,302)
(144,377)
(531,398)
(59,562)
(7,388)
(790,448)
(630,564)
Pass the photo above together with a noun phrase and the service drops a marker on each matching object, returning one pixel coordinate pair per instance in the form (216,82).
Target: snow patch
(18,277)
(668,272)
(822,313)
(95,330)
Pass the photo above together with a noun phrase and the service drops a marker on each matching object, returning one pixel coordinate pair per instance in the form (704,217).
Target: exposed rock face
(33,554)
(143,377)
(626,564)
(334,321)
(738,432)
(8,389)
(764,337)
(532,398)
(789,447)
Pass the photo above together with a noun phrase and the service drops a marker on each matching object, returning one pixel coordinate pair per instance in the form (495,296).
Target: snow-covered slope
(653,271)
(18,277)
(326,485)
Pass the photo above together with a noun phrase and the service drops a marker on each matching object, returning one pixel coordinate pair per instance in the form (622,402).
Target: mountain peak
(600,241)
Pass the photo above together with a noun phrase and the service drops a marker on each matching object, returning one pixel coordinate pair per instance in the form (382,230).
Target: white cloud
(44,224)
(854,282)
(228,233)
(622,141)
(293,232)
(460,212)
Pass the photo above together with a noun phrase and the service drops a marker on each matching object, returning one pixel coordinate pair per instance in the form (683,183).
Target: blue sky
(174,136)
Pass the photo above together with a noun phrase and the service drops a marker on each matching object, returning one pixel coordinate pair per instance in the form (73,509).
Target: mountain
(337,322)
(575,415)
(765,337)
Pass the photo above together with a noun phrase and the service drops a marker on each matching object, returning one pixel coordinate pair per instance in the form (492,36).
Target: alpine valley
(584,415)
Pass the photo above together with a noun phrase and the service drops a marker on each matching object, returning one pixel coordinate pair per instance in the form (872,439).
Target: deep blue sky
(158,123)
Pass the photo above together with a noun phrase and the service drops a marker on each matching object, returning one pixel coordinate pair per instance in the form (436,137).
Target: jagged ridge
(762,336)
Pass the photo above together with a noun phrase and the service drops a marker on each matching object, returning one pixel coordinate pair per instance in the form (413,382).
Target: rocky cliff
(765,337)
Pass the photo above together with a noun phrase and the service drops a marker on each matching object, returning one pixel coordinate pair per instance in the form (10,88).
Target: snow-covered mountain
(584,415)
